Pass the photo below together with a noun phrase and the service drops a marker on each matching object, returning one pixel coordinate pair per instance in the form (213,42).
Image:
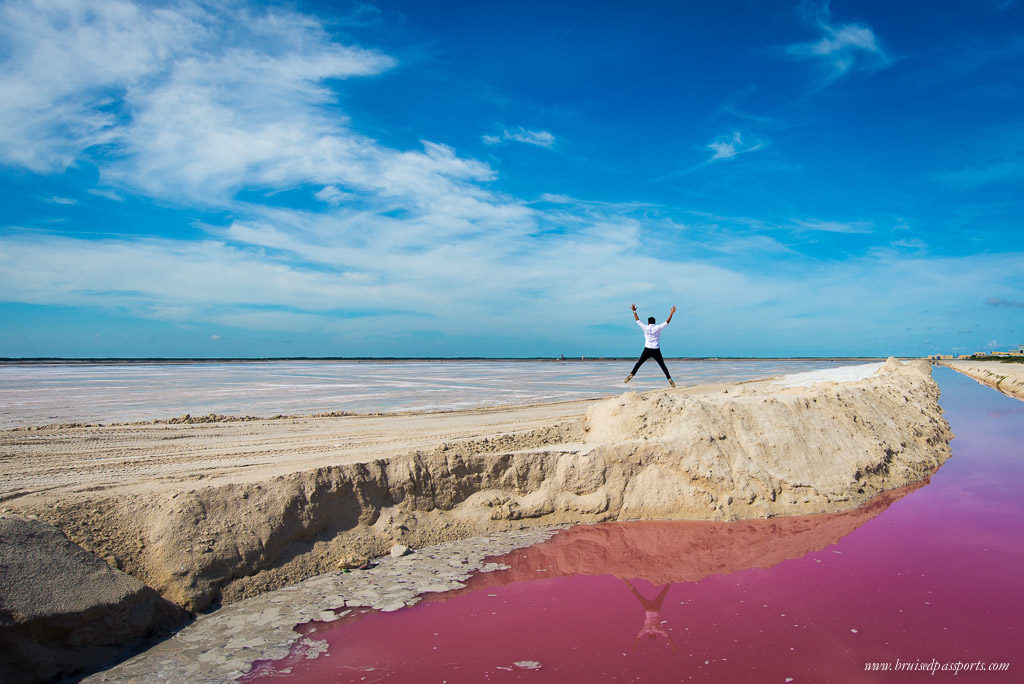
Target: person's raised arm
(633,307)
(667,320)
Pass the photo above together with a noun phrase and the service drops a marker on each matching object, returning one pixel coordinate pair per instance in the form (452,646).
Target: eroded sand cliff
(754,451)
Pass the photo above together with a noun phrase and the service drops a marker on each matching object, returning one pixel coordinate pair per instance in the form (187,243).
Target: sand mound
(793,451)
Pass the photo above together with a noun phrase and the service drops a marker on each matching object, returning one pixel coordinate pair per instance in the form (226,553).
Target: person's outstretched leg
(656,354)
(643,357)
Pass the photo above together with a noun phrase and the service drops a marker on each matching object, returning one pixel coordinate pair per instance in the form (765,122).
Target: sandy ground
(1008,378)
(53,463)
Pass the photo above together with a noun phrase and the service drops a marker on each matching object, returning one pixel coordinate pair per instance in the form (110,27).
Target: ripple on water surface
(926,574)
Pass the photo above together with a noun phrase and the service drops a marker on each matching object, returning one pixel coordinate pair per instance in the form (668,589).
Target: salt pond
(41,393)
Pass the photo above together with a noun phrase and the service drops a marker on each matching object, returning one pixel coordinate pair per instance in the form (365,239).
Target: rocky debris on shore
(222,646)
(65,611)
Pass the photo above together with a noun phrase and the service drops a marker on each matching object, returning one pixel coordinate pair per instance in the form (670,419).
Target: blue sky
(504,179)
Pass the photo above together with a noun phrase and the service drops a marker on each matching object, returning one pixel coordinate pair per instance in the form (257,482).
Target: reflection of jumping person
(652,344)
(652,616)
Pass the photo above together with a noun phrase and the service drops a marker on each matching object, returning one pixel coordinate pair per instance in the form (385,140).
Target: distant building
(1019,351)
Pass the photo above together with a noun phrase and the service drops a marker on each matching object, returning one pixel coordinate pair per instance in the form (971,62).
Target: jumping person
(652,344)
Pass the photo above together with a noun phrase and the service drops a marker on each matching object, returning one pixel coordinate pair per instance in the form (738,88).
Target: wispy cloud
(991,157)
(106,194)
(1004,303)
(852,227)
(731,145)
(972,177)
(522,135)
(841,47)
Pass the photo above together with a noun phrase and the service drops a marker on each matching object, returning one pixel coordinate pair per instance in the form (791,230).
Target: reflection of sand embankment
(664,551)
(753,451)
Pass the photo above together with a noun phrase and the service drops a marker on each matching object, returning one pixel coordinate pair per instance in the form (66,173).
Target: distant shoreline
(11,361)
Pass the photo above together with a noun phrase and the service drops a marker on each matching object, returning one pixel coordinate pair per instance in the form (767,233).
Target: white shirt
(652,333)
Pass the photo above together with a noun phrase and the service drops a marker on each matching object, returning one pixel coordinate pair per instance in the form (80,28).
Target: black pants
(651,354)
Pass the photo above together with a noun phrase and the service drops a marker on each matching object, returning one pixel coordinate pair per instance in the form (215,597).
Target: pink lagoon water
(927,574)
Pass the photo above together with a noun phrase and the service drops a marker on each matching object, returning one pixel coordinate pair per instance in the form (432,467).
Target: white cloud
(729,146)
(208,108)
(319,275)
(187,98)
(538,138)
(333,196)
(842,47)
(108,194)
(723,149)
(862,227)
(912,243)
(215,337)
(290,281)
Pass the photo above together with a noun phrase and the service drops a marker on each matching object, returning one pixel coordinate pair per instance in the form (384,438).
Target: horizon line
(226,359)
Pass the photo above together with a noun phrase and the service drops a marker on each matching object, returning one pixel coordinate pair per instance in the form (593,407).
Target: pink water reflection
(928,572)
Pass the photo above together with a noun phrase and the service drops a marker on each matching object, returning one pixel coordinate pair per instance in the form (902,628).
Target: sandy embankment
(1008,378)
(221,511)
